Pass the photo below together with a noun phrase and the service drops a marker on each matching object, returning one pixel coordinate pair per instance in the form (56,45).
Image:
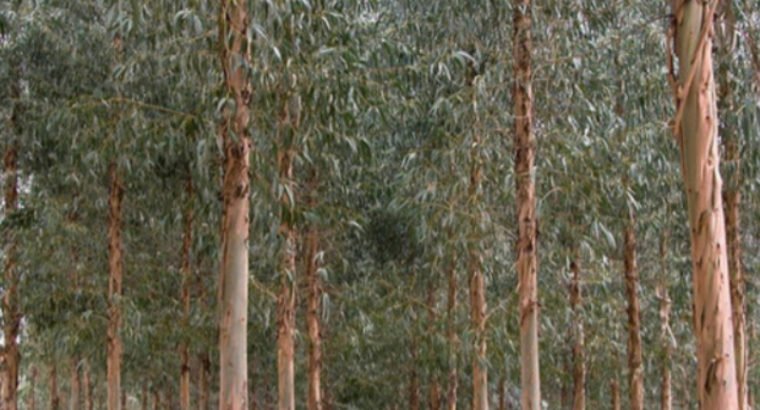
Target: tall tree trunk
(115,278)
(87,386)
(54,399)
(579,355)
(732,193)
(635,364)
(502,393)
(31,398)
(452,338)
(74,385)
(477,294)
(615,392)
(11,309)
(525,147)
(695,126)
(434,392)
(234,133)
(203,381)
(187,242)
(314,401)
(286,303)
(666,398)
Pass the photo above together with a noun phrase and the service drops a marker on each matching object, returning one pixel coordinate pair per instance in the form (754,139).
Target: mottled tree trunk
(525,147)
(452,338)
(314,400)
(54,400)
(115,278)
(635,364)
(233,281)
(11,308)
(286,302)
(186,271)
(579,354)
(695,126)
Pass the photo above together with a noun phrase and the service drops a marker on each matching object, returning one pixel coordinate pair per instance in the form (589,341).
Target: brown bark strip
(451,336)
(203,381)
(11,308)
(314,400)
(434,389)
(87,387)
(579,355)
(700,163)
(615,393)
(115,279)
(635,363)
(527,262)
(233,281)
(74,385)
(666,397)
(186,271)
(54,399)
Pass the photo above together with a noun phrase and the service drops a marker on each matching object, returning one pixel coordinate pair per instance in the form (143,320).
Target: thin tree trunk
(74,385)
(732,195)
(414,381)
(695,127)
(203,381)
(452,338)
(233,286)
(187,242)
(11,308)
(525,146)
(115,278)
(503,393)
(87,386)
(31,398)
(144,397)
(156,400)
(314,401)
(477,295)
(635,364)
(579,355)
(54,400)
(615,388)
(286,303)
(666,399)
(434,392)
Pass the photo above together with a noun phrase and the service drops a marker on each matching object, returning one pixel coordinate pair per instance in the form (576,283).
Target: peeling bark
(236,142)
(695,127)
(527,262)
(635,363)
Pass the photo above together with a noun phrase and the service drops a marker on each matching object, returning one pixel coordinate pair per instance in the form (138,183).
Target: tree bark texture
(186,272)
(452,337)
(635,362)
(115,279)
(314,399)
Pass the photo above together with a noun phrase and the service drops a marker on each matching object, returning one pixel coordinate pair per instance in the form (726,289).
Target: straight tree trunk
(286,303)
(615,388)
(114,346)
(144,396)
(666,397)
(695,126)
(11,308)
(635,363)
(203,381)
(31,398)
(527,262)
(74,385)
(87,387)
(187,241)
(314,400)
(54,400)
(434,392)
(477,296)
(503,393)
(579,355)
(732,195)
(452,338)
(234,133)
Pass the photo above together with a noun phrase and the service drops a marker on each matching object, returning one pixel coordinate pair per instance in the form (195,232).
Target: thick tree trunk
(579,354)
(114,347)
(87,387)
(314,400)
(286,303)
(53,399)
(525,147)
(477,296)
(452,338)
(74,386)
(234,133)
(615,393)
(187,242)
(635,363)
(11,308)
(695,127)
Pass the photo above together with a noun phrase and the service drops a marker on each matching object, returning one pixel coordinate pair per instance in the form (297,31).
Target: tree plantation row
(379,204)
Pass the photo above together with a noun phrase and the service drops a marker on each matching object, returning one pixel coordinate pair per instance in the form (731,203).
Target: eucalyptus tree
(695,127)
